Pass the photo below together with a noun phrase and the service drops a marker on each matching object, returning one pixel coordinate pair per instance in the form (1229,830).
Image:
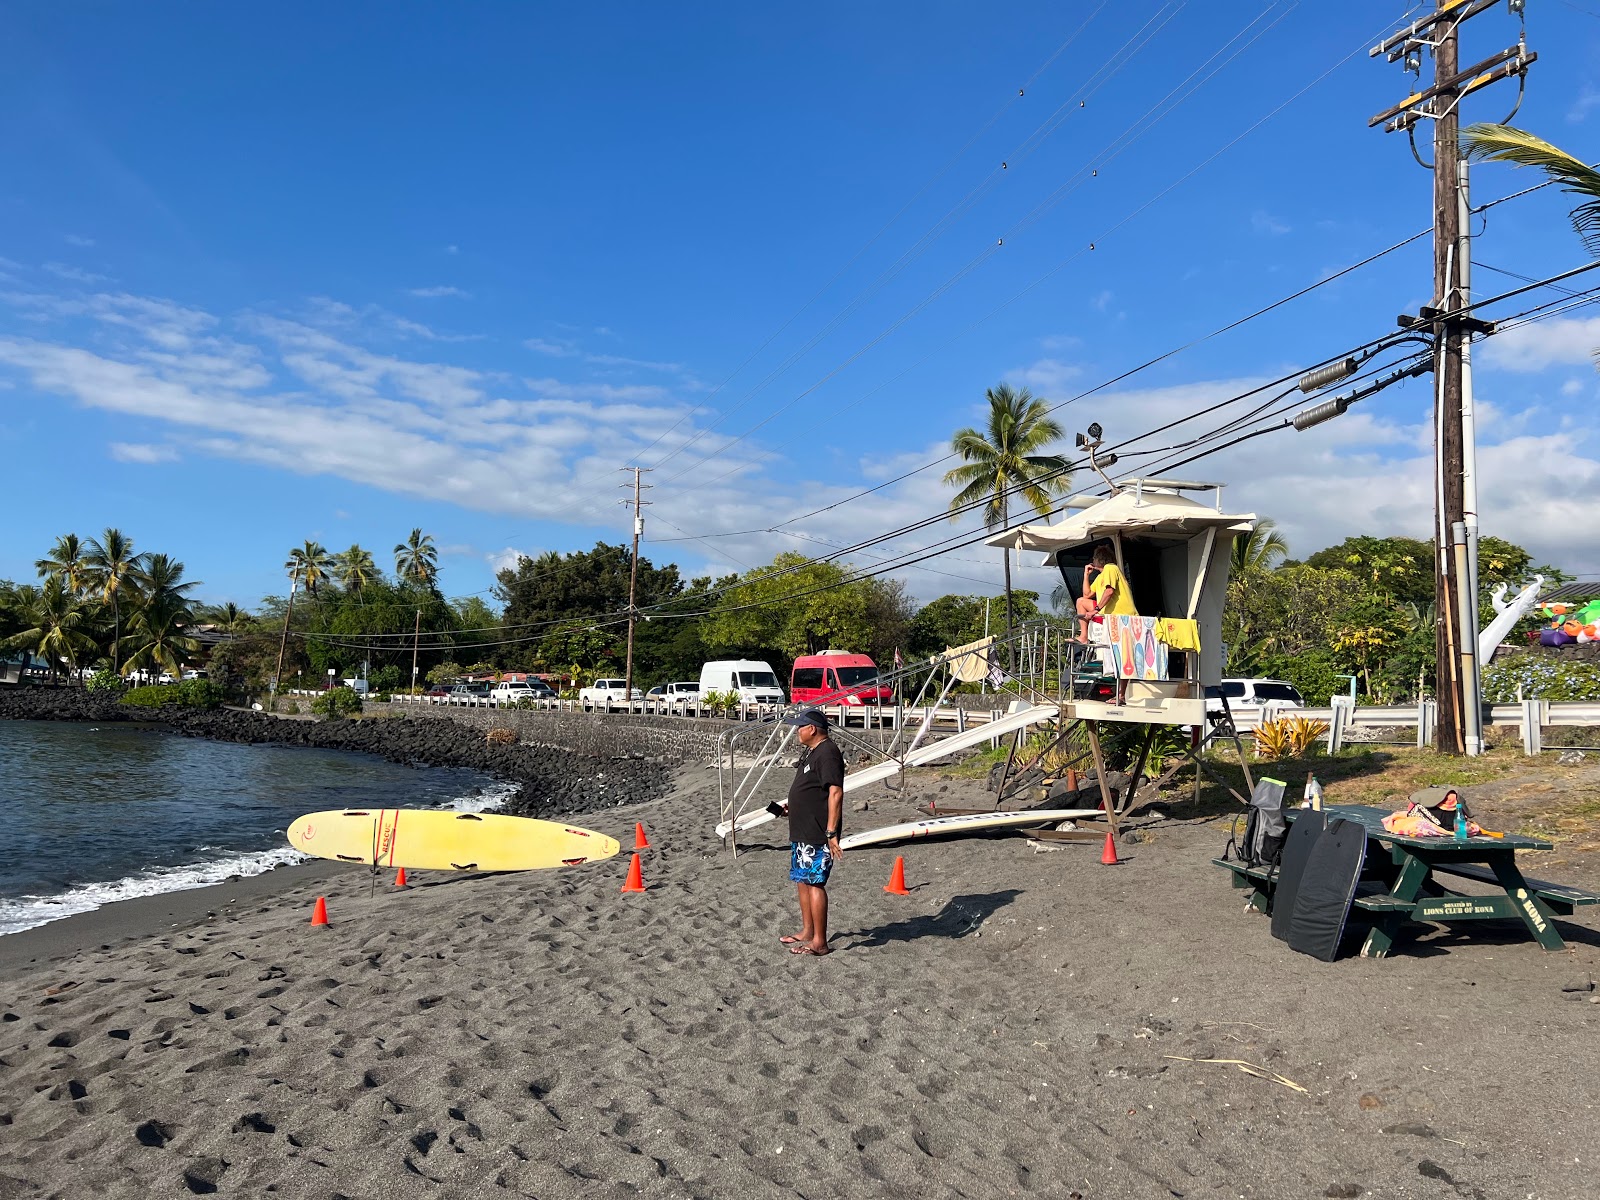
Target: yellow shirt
(1121,604)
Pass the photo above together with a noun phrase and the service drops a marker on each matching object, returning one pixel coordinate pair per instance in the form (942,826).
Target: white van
(756,682)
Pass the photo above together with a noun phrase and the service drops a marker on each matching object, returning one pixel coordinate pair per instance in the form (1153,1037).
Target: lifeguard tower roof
(1140,508)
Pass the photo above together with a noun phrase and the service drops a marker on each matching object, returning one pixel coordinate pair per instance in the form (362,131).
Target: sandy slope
(1011,1028)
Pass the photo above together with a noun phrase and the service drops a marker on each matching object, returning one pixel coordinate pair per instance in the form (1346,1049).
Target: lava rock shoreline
(552,781)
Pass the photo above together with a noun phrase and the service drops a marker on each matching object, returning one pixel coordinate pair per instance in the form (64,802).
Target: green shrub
(336,702)
(152,695)
(1548,676)
(105,681)
(289,706)
(382,698)
(191,693)
(199,693)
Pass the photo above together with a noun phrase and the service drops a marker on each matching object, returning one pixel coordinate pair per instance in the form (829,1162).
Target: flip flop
(806,948)
(790,939)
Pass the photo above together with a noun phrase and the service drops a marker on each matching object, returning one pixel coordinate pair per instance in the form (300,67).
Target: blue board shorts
(810,864)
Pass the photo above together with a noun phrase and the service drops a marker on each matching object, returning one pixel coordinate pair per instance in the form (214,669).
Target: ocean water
(94,814)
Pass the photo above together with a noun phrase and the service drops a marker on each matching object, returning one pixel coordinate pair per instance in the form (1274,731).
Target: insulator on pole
(1313,381)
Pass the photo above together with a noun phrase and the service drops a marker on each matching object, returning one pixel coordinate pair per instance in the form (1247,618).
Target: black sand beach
(1024,1023)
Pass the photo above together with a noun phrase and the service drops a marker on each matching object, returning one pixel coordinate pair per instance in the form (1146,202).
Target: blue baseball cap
(809,716)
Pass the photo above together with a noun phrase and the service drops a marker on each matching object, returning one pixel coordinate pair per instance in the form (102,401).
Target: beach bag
(1265,827)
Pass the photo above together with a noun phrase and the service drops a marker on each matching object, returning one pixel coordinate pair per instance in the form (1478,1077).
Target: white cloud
(1265,222)
(143,453)
(75,274)
(1561,342)
(434,293)
(452,249)
(1572,387)
(506,559)
(1588,100)
(77,239)
(553,349)
(1047,375)
(1102,299)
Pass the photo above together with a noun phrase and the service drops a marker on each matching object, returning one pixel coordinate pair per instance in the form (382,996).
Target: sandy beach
(1024,1023)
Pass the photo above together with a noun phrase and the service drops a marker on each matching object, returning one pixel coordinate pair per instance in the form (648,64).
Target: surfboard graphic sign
(422,839)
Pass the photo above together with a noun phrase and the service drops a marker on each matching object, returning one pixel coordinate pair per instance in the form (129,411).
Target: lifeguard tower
(1175,552)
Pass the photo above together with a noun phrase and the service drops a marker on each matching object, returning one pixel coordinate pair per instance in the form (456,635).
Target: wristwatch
(831,834)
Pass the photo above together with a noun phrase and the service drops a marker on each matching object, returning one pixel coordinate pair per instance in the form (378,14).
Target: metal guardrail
(1530,716)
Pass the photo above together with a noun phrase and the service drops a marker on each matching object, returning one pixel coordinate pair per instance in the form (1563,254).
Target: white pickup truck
(602,690)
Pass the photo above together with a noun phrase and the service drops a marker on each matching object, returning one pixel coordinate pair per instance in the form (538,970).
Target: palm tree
(160,577)
(156,636)
(1505,143)
(111,561)
(66,561)
(1260,548)
(57,624)
(417,558)
(229,618)
(1006,464)
(356,568)
(311,564)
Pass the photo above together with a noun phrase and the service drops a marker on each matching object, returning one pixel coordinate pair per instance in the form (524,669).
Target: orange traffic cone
(897,878)
(1108,856)
(640,842)
(400,878)
(319,914)
(635,881)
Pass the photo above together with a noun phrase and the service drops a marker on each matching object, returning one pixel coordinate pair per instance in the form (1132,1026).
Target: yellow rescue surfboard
(422,839)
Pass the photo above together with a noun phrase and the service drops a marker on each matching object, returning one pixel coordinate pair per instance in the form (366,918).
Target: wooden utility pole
(1459,728)
(633,570)
(416,641)
(283,644)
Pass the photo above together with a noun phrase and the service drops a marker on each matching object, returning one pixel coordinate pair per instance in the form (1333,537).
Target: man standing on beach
(816,813)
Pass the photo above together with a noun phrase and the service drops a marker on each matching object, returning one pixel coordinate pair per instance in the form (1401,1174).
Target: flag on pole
(897,661)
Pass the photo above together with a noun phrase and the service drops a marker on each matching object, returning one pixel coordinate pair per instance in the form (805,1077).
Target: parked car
(837,677)
(439,691)
(467,693)
(512,691)
(674,693)
(602,690)
(1253,695)
(754,682)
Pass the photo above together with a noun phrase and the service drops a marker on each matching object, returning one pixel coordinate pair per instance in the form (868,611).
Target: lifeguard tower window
(1142,559)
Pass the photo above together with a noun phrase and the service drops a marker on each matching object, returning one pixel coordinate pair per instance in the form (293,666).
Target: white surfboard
(964,823)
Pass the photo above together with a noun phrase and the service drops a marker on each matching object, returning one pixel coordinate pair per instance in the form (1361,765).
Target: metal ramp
(747,791)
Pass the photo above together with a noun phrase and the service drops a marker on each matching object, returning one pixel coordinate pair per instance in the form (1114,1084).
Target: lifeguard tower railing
(909,733)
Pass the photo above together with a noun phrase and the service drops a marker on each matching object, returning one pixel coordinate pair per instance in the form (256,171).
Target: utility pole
(283,644)
(633,569)
(1455,529)
(416,640)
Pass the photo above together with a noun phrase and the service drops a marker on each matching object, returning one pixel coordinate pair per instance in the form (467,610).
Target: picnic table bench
(1403,884)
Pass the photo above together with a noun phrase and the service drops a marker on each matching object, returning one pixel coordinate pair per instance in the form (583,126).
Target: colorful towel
(1135,652)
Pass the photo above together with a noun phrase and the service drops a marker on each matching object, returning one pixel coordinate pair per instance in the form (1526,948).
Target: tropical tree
(157,640)
(56,624)
(160,577)
(417,558)
(229,618)
(310,564)
(356,568)
(1506,143)
(66,561)
(111,562)
(1262,547)
(1004,463)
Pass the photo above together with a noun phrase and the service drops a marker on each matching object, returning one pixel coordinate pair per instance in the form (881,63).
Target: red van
(837,677)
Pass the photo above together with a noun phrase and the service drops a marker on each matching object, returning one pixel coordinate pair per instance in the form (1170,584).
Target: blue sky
(346,270)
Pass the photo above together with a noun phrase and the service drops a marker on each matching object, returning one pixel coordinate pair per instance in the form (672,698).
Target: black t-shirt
(820,768)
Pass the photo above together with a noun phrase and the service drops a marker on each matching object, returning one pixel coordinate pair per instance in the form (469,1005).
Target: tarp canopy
(1146,511)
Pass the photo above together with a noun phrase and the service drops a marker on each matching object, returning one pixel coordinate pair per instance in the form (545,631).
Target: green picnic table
(1410,867)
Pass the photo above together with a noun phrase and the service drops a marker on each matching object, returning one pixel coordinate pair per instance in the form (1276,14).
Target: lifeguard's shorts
(810,864)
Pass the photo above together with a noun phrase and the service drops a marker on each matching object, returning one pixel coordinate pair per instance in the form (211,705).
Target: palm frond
(1506,143)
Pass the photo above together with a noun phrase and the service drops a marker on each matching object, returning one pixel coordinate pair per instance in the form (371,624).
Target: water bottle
(1461,824)
(1313,795)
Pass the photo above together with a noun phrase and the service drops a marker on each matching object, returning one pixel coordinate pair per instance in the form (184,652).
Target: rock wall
(614,735)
